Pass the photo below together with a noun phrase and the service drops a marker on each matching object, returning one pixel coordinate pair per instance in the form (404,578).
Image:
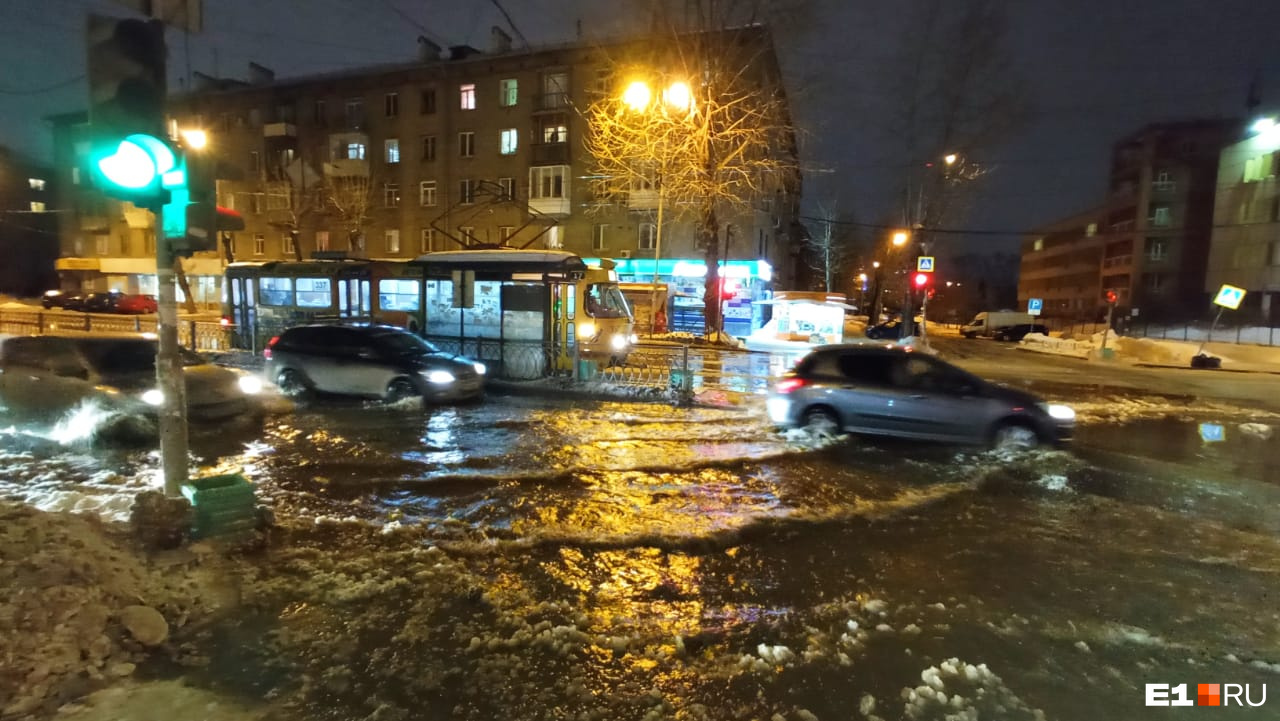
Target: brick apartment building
(461,147)
(28,230)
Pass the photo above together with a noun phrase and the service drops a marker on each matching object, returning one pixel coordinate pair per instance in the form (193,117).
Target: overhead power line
(44,89)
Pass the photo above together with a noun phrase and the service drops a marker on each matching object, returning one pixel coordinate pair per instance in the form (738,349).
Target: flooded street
(525,558)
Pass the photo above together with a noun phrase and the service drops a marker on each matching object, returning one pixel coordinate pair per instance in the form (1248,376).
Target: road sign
(1229,296)
(924,264)
(1212,433)
(1035,305)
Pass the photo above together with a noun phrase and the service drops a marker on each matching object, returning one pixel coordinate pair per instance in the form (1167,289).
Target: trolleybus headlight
(587,329)
(619,342)
(439,377)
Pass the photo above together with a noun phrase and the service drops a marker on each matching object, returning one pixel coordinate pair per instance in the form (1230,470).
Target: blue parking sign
(1035,305)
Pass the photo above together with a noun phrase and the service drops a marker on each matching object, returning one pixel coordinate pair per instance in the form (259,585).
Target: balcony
(279,130)
(347,168)
(550,153)
(554,207)
(1117,261)
(642,199)
(551,101)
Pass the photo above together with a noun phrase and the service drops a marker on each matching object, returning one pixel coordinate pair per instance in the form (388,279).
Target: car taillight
(266,352)
(786,385)
(225,321)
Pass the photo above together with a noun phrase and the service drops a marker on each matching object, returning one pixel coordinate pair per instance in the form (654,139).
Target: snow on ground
(1155,351)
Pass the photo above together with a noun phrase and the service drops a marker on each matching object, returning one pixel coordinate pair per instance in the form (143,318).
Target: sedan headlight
(619,342)
(479,368)
(153,397)
(250,385)
(1058,411)
(439,377)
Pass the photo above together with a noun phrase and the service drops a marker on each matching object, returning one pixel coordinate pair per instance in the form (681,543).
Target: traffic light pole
(169,376)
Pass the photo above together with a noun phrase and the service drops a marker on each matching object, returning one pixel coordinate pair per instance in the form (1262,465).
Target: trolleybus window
(605,300)
(398,295)
(276,291)
(314,293)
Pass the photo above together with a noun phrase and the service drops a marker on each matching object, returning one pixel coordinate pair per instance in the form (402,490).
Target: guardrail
(195,334)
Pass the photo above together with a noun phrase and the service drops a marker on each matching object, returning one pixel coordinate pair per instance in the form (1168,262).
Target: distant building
(28,229)
(460,148)
(1245,250)
(1150,237)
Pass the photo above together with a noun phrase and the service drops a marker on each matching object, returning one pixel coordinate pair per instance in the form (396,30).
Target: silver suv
(371,361)
(898,392)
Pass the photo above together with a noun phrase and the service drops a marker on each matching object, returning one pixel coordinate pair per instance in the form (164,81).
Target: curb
(1215,370)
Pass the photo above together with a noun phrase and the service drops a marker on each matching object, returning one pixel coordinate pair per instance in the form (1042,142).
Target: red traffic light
(1112,297)
(922,279)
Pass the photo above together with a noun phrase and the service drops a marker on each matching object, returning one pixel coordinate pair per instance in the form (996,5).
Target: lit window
(467,192)
(390,195)
(1091,230)
(1160,216)
(1163,181)
(548,182)
(427,241)
(1038,245)
(392,240)
(35,183)
(37,206)
(103,244)
(467,96)
(555,133)
(322,240)
(259,244)
(355,151)
(466,144)
(509,141)
(392,150)
(597,237)
(648,236)
(427,193)
(286,241)
(508,186)
(508,92)
(392,104)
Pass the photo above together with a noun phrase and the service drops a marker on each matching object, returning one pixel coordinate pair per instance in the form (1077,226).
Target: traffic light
(922,280)
(1112,297)
(128,157)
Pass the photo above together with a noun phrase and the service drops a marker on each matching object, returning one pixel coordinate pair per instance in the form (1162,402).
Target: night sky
(1094,70)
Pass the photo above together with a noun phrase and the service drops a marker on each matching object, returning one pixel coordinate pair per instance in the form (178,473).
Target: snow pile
(1042,343)
(86,607)
(959,691)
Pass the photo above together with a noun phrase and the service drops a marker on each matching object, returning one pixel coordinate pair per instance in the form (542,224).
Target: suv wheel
(822,421)
(399,389)
(1015,436)
(291,383)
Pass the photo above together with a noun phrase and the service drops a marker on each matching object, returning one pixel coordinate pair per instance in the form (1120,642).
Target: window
(505,232)
(391,150)
(276,291)
(390,195)
(355,151)
(648,236)
(1091,230)
(604,80)
(286,241)
(597,236)
(392,104)
(427,241)
(320,114)
(355,113)
(103,245)
(35,183)
(1154,282)
(398,295)
(555,133)
(255,161)
(1163,181)
(467,96)
(37,206)
(467,191)
(255,203)
(391,238)
(429,148)
(466,144)
(75,176)
(1038,245)
(1160,216)
(508,92)
(508,186)
(509,140)
(468,234)
(547,181)
(313,293)
(322,240)
(259,244)
(1157,249)
(555,90)
(604,300)
(427,193)
(428,101)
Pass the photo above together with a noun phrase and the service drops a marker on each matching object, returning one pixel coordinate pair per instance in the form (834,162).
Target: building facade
(1149,240)
(28,227)
(1245,251)
(462,148)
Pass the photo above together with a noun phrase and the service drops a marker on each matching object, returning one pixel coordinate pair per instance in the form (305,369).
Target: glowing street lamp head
(900,238)
(1262,125)
(680,97)
(195,138)
(950,158)
(636,96)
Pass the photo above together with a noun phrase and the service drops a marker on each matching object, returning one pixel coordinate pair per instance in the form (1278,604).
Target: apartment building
(1245,247)
(458,149)
(1061,264)
(28,238)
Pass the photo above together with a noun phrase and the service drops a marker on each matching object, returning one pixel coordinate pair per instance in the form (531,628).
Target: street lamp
(636,96)
(194,138)
(950,158)
(900,238)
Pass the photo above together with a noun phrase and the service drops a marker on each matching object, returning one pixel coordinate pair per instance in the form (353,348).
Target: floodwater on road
(523,558)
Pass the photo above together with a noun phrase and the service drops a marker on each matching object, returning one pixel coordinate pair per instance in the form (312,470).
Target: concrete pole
(657,254)
(169,376)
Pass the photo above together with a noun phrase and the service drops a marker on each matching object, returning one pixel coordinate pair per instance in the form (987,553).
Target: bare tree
(714,137)
(831,247)
(351,196)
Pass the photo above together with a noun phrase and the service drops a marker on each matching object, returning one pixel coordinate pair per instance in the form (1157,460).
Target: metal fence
(196,334)
(1194,332)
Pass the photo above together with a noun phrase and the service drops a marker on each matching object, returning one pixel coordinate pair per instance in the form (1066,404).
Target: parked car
(988,323)
(372,361)
(136,303)
(889,330)
(1017,332)
(897,392)
(102,302)
(74,301)
(43,377)
(55,298)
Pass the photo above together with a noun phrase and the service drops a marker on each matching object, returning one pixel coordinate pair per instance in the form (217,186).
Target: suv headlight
(153,397)
(439,377)
(1057,411)
(249,385)
(479,368)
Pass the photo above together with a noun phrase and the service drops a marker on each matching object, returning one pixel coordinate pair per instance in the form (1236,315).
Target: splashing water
(81,424)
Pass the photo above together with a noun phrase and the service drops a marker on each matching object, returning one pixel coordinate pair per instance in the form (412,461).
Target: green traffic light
(137,161)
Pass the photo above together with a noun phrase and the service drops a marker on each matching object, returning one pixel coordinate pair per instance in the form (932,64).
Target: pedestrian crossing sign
(1229,297)
(924,264)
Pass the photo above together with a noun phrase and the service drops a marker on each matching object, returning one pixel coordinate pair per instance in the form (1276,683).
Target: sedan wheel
(822,421)
(1015,437)
(291,384)
(399,389)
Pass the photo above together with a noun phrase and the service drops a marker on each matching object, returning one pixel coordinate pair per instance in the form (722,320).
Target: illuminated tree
(351,196)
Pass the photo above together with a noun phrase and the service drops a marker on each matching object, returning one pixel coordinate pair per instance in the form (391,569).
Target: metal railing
(195,334)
